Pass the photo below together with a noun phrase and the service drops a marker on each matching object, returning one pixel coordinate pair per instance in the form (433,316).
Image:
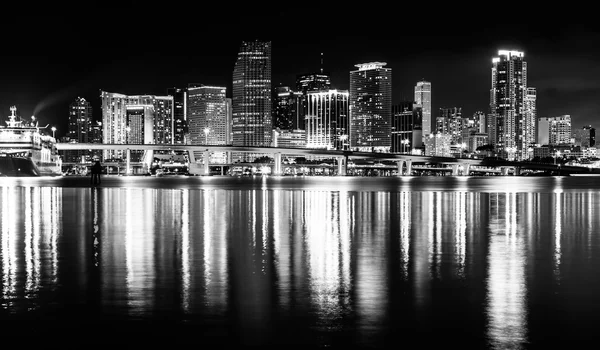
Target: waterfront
(476,262)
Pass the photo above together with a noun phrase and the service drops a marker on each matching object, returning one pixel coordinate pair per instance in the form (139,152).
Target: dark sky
(53,52)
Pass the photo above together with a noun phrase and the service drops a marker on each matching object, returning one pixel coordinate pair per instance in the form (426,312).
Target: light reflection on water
(315,266)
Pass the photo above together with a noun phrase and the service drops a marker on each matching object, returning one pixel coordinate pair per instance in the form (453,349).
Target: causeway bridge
(199,158)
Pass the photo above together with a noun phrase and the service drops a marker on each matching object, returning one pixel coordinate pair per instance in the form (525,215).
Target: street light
(404,142)
(206,131)
(53,131)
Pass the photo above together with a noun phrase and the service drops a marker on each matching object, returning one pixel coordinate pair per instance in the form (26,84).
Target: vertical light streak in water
(432,227)
(55,195)
(96,242)
(325,257)
(506,289)
(557,231)
(253,223)
(37,236)
(9,259)
(28,244)
(404,206)
(208,197)
(460,234)
(185,249)
(281,246)
(346,218)
(265,228)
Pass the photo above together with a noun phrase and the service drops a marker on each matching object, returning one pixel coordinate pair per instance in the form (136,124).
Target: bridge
(404,162)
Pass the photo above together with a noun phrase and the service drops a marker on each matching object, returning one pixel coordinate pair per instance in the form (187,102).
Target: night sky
(54,52)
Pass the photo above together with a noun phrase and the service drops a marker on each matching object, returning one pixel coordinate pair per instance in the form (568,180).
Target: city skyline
(46,68)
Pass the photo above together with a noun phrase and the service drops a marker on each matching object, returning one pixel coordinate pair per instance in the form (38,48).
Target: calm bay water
(475,262)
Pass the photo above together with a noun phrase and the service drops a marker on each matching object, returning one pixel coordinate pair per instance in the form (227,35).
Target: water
(413,262)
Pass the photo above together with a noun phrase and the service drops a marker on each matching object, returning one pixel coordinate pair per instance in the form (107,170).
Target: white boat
(25,150)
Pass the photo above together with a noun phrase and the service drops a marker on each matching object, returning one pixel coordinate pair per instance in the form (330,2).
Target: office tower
(423,98)
(529,122)
(407,123)
(229,112)
(554,130)
(371,107)
(511,103)
(114,119)
(320,81)
(251,95)
(207,115)
(327,122)
(139,129)
(585,136)
(286,109)
(289,138)
(80,123)
(450,122)
(479,122)
(438,145)
(179,114)
(96,137)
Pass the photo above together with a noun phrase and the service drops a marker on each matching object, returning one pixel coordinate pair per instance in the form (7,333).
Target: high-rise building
(371,107)
(139,129)
(115,122)
(479,122)
(179,114)
(407,123)
(450,122)
(554,130)
(530,121)
(512,104)
(585,136)
(251,95)
(327,122)
(313,82)
(207,115)
(286,109)
(80,123)
(423,98)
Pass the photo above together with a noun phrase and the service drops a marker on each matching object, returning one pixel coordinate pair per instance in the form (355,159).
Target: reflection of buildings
(30,228)
(506,284)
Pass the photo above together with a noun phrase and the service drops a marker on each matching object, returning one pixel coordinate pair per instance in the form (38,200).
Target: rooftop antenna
(321,63)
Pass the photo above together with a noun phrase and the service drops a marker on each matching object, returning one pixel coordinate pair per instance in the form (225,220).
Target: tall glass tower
(371,107)
(423,99)
(251,95)
(508,103)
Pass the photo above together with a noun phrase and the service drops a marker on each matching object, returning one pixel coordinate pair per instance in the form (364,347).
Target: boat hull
(25,167)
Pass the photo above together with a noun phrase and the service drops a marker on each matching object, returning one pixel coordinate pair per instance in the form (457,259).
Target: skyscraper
(585,136)
(286,109)
(554,130)
(508,102)
(80,124)
(371,107)
(406,132)
(115,121)
(423,98)
(179,113)
(207,115)
(327,123)
(251,95)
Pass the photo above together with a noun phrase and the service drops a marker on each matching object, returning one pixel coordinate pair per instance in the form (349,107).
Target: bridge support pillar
(504,170)
(148,160)
(517,170)
(408,167)
(342,166)
(128,162)
(454,169)
(400,165)
(191,156)
(466,169)
(206,164)
(277,164)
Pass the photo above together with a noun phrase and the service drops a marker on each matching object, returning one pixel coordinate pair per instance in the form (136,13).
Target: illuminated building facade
(114,119)
(251,95)
(327,122)
(371,107)
(79,128)
(208,122)
(406,131)
(289,138)
(450,122)
(438,145)
(510,103)
(529,131)
(423,98)
(554,130)
(313,82)
(179,114)
(139,129)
